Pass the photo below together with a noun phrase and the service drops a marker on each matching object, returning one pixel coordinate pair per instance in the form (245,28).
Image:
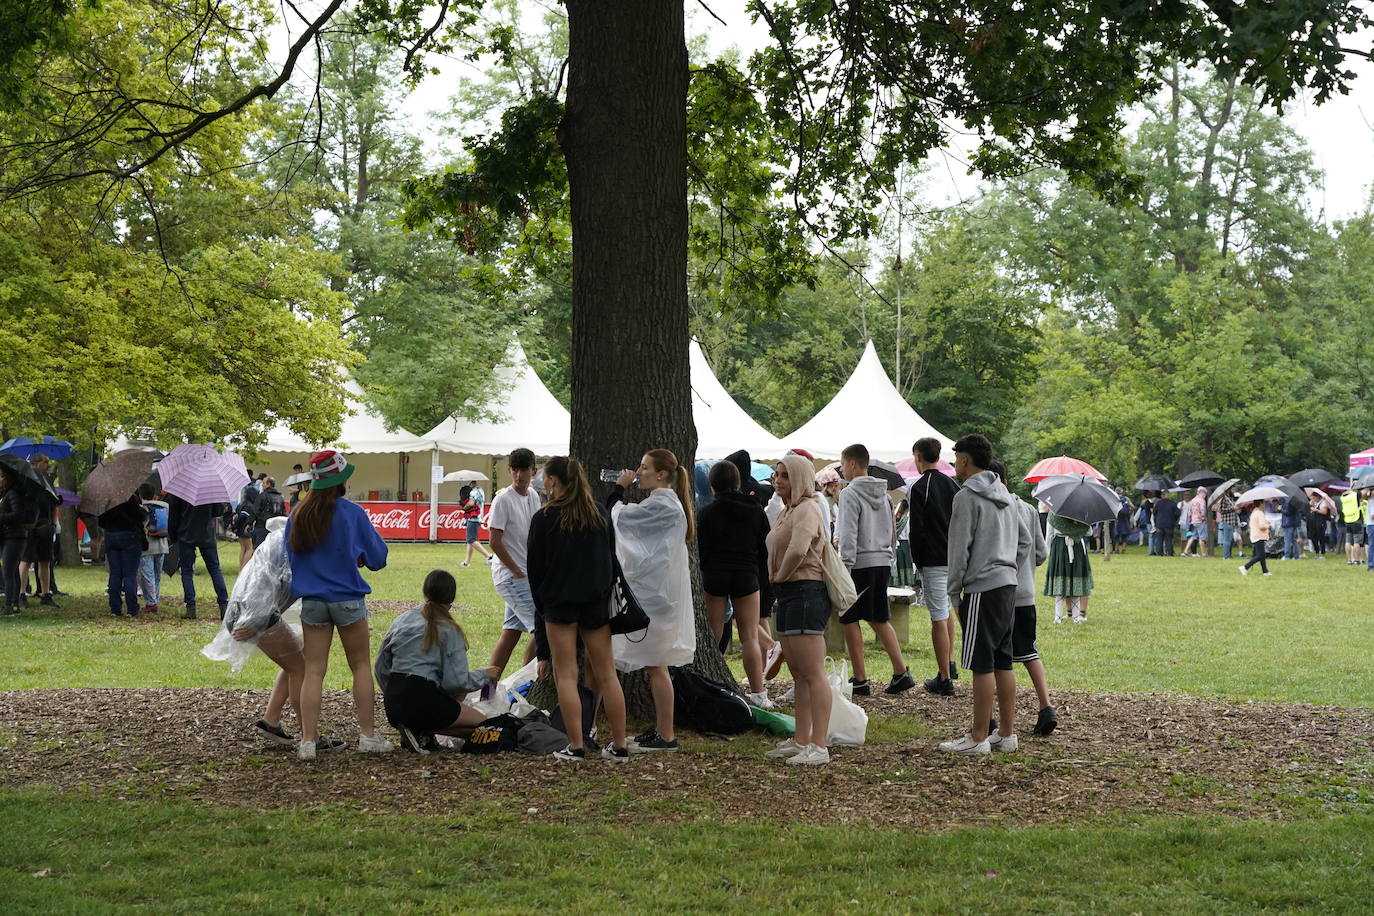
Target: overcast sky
(1339,133)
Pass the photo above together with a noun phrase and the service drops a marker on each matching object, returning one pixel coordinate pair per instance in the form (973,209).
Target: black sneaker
(992,726)
(901,683)
(940,686)
(861,688)
(413,741)
(571,753)
(651,742)
(275,733)
(953,671)
(325,744)
(47,601)
(1046,721)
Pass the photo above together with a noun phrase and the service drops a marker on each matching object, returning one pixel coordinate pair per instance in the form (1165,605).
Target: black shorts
(1023,634)
(38,545)
(803,607)
(590,616)
(987,622)
(1354,533)
(730,583)
(871,584)
(418,703)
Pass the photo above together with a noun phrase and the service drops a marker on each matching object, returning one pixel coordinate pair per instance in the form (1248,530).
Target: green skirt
(1064,577)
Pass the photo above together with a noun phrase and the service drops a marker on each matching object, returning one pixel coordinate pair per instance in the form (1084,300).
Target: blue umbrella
(760,472)
(27,446)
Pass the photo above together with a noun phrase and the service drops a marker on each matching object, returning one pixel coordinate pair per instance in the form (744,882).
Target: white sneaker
(811,756)
(786,748)
(760,700)
(966,745)
(305,750)
(1244,571)
(1059,619)
(1005,745)
(375,744)
(1080,620)
(789,696)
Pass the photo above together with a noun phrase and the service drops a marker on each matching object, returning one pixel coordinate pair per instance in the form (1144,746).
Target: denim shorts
(934,585)
(519,603)
(803,607)
(319,613)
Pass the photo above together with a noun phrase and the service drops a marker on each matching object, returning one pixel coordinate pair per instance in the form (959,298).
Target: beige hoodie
(796,541)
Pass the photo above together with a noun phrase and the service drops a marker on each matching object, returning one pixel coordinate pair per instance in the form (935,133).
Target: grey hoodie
(1031,557)
(985,536)
(865,524)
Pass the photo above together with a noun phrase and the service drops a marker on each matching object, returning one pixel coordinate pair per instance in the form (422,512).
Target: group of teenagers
(558,554)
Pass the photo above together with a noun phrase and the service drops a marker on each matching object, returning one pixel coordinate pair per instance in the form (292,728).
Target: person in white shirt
(509,524)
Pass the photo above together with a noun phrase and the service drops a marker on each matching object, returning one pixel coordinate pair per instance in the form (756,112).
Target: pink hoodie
(796,542)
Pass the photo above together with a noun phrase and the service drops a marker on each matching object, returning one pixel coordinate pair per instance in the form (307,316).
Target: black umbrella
(28,478)
(1312,477)
(1153,482)
(1080,498)
(1201,478)
(888,474)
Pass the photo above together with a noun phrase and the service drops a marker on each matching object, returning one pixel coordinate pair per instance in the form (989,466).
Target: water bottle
(609,475)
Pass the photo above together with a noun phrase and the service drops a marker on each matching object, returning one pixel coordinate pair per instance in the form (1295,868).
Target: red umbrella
(1049,467)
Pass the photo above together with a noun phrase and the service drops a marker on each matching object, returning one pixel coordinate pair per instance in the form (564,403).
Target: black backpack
(707,706)
(499,733)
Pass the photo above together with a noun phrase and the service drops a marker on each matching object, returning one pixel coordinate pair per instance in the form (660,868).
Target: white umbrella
(201,475)
(465,476)
(1257,494)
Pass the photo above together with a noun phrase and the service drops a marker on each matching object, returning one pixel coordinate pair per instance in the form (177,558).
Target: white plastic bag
(262,590)
(848,721)
(225,648)
(508,686)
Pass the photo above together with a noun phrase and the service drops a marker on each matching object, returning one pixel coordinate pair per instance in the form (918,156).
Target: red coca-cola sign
(410,521)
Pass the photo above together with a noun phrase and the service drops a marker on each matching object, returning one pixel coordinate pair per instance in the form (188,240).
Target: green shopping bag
(775,723)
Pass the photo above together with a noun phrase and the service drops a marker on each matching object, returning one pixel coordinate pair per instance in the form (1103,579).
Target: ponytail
(440,589)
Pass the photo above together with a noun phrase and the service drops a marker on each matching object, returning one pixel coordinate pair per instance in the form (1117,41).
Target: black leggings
(9,562)
(1258,552)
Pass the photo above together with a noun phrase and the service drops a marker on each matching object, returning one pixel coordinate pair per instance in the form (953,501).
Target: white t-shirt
(510,514)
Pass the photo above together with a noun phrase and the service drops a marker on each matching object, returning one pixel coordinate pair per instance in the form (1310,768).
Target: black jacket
(270,504)
(1166,512)
(732,533)
(566,567)
(194,525)
(931,500)
(16,515)
(127,516)
(760,492)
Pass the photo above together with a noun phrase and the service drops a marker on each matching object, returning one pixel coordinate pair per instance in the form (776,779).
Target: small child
(422,667)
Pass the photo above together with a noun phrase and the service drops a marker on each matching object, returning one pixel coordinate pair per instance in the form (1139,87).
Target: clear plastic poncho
(262,591)
(651,544)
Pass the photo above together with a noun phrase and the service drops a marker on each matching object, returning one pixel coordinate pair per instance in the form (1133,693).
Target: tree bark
(624,135)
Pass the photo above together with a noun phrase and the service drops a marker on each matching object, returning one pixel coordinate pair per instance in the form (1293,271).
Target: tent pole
(433,496)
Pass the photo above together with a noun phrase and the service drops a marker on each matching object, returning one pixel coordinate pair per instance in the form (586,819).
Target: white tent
(722,425)
(528,416)
(868,410)
(362,432)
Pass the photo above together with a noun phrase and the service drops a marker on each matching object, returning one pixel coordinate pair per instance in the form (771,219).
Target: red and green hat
(329,468)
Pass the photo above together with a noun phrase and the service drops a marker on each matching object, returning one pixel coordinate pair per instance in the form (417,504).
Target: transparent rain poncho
(260,598)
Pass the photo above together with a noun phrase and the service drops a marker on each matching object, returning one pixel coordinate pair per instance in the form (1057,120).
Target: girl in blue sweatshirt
(423,669)
(328,539)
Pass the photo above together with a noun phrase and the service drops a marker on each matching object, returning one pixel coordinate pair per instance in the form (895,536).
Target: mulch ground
(1114,754)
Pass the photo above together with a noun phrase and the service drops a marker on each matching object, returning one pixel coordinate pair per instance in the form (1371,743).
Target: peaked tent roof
(870,410)
(529,416)
(722,425)
(362,432)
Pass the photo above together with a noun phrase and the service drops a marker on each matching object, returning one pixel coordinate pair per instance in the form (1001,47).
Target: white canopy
(528,416)
(722,425)
(869,410)
(362,432)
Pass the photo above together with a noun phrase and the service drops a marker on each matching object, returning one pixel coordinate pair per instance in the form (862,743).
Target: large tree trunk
(624,135)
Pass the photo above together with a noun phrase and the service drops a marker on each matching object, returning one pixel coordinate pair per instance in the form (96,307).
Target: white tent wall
(389,475)
(722,425)
(528,416)
(868,410)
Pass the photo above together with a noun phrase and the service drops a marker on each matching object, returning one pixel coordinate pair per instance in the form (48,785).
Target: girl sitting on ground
(422,667)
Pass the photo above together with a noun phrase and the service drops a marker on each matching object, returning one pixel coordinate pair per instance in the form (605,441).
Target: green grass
(1194,627)
(58,857)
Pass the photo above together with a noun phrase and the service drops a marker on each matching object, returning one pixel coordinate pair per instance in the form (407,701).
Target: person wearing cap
(328,539)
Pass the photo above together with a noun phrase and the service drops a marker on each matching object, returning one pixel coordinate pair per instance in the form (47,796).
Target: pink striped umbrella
(201,476)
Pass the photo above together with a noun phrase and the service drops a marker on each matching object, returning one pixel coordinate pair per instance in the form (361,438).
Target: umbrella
(202,476)
(1312,477)
(1364,477)
(1079,497)
(885,472)
(1153,482)
(1258,493)
(68,497)
(28,446)
(909,471)
(1320,498)
(1201,478)
(1049,467)
(461,476)
(1279,482)
(302,477)
(115,480)
(28,477)
(1215,496)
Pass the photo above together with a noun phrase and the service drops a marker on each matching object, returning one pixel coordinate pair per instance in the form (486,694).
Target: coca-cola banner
(410,521)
